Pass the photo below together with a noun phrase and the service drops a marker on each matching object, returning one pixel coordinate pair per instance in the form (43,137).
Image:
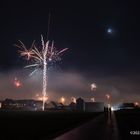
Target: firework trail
(41,59)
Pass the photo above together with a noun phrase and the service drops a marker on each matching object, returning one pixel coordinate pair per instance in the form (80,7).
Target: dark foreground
(39,125)
(118,125)
(128,124)
(103,127)
(22,125)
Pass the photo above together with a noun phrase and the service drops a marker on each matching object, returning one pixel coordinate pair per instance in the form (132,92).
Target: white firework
(41,59)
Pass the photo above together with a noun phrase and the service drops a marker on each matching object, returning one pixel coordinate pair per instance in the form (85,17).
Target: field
(18,125)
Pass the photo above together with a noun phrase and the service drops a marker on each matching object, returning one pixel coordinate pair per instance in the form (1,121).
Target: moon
(109,30)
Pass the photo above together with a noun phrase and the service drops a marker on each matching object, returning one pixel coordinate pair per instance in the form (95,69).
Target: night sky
(103,40)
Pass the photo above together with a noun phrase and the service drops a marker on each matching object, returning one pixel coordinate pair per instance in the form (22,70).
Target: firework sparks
(24,51)
(48,53)
(41,59)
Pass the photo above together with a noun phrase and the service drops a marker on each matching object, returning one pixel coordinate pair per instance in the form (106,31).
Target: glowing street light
(62,100)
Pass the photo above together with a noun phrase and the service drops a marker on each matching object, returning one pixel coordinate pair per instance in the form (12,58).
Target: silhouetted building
(21,104)
(94,106)
(55,105)
(80,104)
(89,106)
(72,106)
(127,106)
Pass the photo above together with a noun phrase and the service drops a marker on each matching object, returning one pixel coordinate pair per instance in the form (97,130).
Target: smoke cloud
(69,84)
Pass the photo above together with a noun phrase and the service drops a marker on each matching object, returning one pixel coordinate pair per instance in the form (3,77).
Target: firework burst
(93,86)
(17,82)
(41,58)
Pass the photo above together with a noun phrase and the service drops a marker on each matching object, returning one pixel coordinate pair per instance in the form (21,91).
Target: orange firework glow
(62,100)
(17,83)
(136,104)
(45,98)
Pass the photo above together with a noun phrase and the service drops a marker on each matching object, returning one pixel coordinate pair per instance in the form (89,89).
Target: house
(94,106)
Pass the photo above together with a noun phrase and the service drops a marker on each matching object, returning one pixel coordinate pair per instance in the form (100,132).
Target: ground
(20,125)
(29,125)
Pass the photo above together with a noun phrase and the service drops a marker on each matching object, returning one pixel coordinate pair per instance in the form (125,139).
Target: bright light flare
(112,109)
(93,86)
(45,98)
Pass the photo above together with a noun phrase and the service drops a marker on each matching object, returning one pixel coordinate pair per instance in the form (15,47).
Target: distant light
(109,30)
(92,99)
(43,98)
(50,59)
(112,109)
(136,104)
(107,96)
(37,95)
(73,99)
(93,86)
(62,100)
